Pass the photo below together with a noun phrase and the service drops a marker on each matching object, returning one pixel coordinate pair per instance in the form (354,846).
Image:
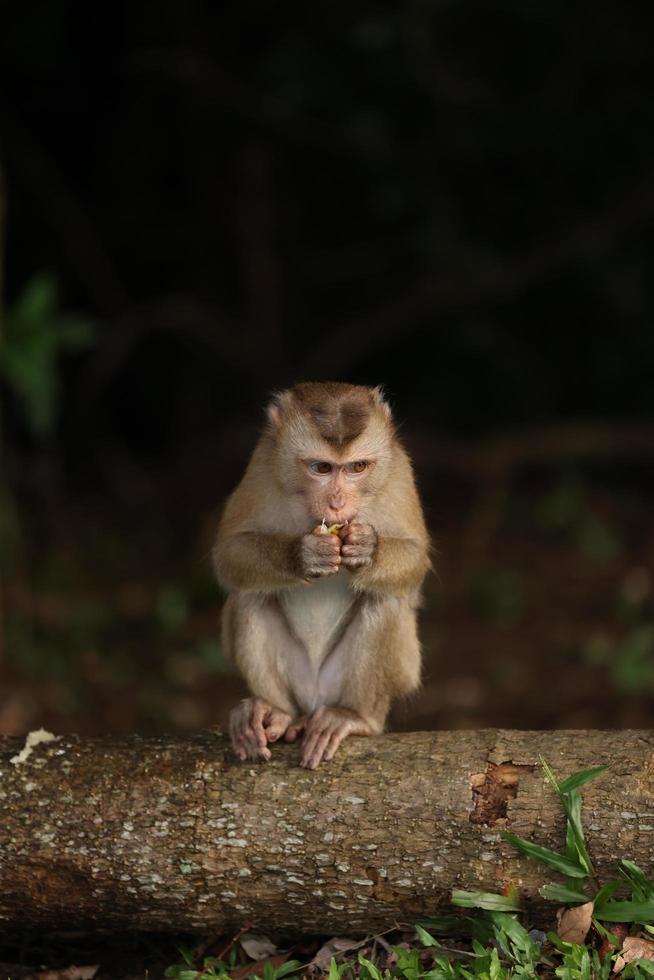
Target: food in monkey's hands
(324,528)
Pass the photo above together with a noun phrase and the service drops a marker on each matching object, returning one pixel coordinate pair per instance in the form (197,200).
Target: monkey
(321,620)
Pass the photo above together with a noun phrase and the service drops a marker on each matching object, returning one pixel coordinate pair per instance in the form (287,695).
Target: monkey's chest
(318,613)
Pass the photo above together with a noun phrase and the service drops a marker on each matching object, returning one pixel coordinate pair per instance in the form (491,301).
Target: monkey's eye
(318,466)
(358,467)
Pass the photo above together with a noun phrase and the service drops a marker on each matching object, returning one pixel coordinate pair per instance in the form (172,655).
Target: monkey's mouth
(331,517)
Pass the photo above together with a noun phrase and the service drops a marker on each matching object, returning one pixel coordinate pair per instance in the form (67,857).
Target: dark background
(206,202)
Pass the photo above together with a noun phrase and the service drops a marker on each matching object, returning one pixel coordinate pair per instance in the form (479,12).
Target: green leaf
(549,775)
(484,900)
(370,967)
(572,807)
(38,300)
(425,938)
(510,926)
(606,934)
(606,892)
(443,923)
(626,912)
(553,860)
(643,887)
(559,893)
(287,968)
(579,778)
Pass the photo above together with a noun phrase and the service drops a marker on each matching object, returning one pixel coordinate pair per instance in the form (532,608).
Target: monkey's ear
(380,401)
(277,408)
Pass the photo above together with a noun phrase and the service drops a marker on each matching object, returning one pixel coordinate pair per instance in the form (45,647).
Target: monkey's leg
(376,660)
(256,638)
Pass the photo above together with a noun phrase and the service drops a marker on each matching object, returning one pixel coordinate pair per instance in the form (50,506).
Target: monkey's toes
(276,725)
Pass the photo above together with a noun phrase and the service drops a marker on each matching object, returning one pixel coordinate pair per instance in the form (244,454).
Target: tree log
(168,833)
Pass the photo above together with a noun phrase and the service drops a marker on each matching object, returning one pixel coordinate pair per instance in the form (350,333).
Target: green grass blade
(579,778)
(549,775)
(606,892)
(558,862)
(484,900)
(643,887)
(572,807)
(626,912)
(559,893)
(425,938)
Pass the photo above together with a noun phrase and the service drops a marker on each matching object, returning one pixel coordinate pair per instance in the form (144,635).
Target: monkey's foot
(323,733)
(252,725)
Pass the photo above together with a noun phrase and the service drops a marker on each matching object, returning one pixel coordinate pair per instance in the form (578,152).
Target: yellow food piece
(330,529)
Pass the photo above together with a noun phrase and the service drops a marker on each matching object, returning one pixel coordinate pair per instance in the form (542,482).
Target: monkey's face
(337,482)
(334,487)
(331,452)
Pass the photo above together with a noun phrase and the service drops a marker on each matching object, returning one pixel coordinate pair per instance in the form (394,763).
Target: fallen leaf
(607,948)
(573,924)
(257,947)
(339,944)
(634,948)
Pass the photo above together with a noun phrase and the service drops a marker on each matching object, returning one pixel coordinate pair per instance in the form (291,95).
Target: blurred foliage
(36,336)
(630,660)
(567,510)
(499,596)
(379,194)
(172,608)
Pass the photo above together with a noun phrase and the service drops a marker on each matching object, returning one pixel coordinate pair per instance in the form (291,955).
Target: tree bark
(171,834)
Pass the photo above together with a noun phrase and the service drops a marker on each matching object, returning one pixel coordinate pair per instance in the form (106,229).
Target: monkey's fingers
(355,556)
(276,724)
(247,741)
(316,741)
(245,748)
(334,742)
(260,712)
(349,727)
(246,730)
(295,729)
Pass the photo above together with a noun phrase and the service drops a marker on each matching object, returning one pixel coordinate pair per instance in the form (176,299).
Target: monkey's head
(333,444)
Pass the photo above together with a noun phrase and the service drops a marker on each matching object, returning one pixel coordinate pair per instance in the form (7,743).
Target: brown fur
(339,412)
(266,550)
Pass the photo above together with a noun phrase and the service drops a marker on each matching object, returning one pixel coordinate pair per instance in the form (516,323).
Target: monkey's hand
(323,733)
(320,554)
(254,723)
(359,544)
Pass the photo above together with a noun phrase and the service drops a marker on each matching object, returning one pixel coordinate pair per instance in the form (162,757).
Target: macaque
(323,548)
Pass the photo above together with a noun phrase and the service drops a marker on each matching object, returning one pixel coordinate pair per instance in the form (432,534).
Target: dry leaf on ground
(257,947)
(634,948)
(573,924)
(339,944)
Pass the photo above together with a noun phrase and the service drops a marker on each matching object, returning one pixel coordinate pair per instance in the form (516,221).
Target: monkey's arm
(381,560)
(397,567)
(257,562)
